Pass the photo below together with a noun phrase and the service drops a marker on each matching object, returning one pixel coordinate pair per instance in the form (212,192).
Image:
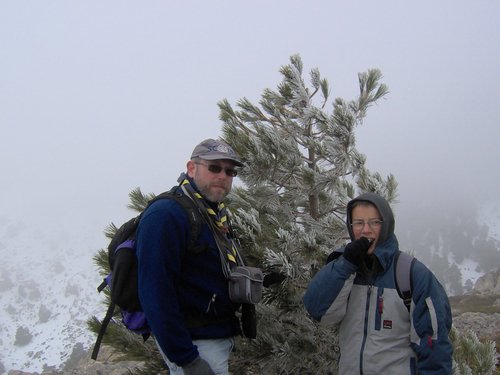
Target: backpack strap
(193,213)
(404,263)
(102,330)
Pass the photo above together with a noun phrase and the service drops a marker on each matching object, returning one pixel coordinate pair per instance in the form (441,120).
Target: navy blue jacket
(177,286)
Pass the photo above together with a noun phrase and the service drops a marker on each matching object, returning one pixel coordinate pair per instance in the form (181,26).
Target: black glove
(355,252)
(198,367)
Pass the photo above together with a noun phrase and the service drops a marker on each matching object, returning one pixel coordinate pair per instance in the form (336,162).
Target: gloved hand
(198,367)
(355,252)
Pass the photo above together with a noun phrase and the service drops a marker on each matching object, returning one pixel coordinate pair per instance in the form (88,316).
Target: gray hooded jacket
(377,335)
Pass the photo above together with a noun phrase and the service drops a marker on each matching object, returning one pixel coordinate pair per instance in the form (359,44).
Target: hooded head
(385,211)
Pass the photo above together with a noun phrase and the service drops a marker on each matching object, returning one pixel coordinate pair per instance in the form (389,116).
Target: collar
(385,251)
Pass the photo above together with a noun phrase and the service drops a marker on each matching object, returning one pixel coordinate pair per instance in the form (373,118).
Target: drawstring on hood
(385,211)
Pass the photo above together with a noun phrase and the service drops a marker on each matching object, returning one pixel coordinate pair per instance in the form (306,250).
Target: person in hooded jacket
(356,290)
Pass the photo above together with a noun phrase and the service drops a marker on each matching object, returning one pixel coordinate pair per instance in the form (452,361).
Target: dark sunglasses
(216,169)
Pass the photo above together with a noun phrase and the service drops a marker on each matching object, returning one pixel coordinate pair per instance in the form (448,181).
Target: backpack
(402,273)
(122,281)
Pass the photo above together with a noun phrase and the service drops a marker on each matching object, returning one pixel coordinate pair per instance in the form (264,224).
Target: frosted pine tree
(302,167)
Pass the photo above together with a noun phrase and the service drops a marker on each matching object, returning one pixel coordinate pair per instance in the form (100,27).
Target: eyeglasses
(216,169)
(360,224)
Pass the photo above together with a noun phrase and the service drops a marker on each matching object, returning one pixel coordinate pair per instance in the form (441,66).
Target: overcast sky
(98,97)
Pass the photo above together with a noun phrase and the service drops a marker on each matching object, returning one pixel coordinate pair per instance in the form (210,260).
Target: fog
(97,98)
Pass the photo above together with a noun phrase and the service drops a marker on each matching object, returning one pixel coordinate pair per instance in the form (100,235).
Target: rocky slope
(479,310)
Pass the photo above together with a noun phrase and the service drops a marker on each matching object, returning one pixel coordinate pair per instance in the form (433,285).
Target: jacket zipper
(365,331)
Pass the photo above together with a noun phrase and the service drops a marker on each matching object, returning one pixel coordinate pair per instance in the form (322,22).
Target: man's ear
(190,167)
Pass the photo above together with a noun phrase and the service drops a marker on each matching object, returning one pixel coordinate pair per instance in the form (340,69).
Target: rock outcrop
(488,283)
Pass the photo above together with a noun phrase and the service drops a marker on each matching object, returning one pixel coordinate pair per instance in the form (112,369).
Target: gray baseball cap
(211,149)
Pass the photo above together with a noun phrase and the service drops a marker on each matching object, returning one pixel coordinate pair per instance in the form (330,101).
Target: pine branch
(138,200)
(470,355)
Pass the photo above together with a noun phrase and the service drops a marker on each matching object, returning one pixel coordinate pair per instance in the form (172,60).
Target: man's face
(366,222)
(212,177)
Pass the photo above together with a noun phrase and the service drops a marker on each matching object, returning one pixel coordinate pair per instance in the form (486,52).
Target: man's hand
(355,252)
(198,367)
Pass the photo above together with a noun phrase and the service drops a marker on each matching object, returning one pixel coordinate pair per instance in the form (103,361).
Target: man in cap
(185,294)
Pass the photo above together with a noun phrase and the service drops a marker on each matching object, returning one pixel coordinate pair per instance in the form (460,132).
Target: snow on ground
(47,289)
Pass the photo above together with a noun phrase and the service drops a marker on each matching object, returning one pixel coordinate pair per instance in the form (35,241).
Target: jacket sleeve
(162,234)
(327,294)
(431,321)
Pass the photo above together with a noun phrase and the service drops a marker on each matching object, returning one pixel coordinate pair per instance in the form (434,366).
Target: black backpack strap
(404,263)
(102,285)
(192,211)
(102,330)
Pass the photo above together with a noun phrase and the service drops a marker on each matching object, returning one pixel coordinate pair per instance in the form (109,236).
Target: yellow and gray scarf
(217,220)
